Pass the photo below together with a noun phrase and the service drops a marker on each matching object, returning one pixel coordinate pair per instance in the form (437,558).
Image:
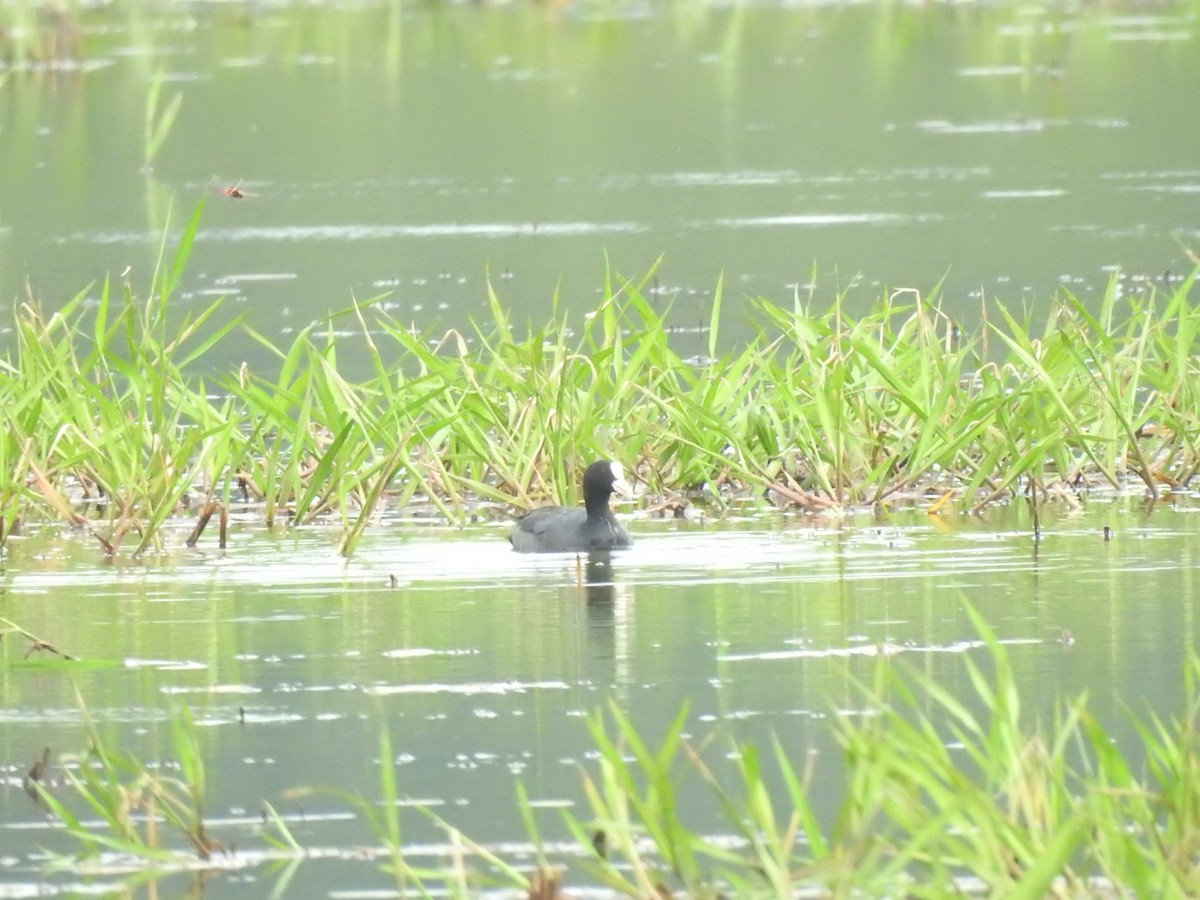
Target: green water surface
(413,150)
(482,663)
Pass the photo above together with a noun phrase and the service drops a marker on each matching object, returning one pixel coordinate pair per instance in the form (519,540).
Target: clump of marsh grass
(106,417)
(133,802)
(938,799)
(110,430)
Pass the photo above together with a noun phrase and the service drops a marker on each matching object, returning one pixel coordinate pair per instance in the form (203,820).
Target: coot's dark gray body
(560,529)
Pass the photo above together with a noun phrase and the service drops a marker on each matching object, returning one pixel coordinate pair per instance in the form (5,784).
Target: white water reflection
(351,232)
(887,648)
(812,220)
(413,559)
(470,689)
(1024,194)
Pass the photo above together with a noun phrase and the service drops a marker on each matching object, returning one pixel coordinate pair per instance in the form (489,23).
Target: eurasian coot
(557,529)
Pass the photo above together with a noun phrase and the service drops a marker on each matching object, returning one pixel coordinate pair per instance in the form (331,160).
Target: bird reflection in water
(610,625)
(594,577)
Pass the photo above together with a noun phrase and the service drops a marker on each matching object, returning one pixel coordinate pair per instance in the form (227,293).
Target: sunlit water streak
(367,232)
(480,561)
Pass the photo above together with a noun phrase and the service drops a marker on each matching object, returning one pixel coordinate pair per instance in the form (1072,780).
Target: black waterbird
(558,529)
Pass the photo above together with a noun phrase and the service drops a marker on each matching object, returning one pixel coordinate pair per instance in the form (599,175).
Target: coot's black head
(600,480)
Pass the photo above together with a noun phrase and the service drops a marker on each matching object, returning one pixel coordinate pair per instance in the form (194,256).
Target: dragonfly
(234,191)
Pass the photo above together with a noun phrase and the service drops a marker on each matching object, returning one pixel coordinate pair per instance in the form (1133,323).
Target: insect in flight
(235,191)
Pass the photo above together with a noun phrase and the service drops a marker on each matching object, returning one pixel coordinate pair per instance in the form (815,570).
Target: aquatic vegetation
(939,794)
(36,644)
(133,800)
(111,429)
(159,119)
